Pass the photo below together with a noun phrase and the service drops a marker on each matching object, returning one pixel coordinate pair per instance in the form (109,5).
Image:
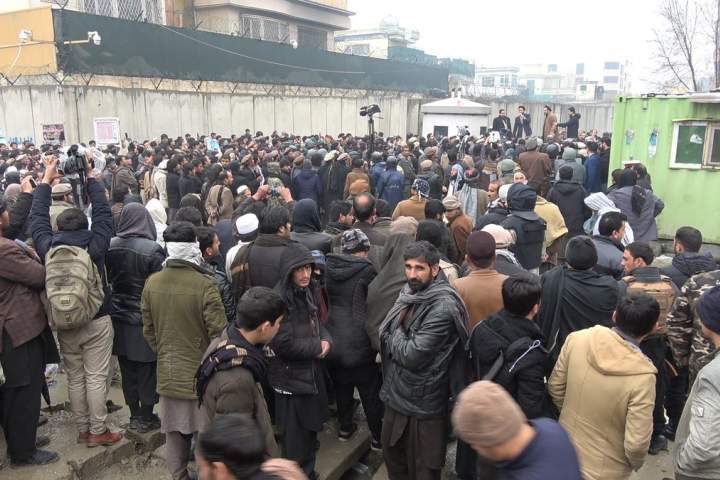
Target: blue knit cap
(708,308)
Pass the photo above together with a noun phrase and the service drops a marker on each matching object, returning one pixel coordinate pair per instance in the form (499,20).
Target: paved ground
(141,458)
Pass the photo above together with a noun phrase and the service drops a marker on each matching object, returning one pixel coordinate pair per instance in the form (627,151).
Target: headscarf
(157,211)
(600,204)
(188,251)
(306,217)
(136,221)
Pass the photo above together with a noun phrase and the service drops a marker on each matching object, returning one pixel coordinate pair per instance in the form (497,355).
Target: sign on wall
(54,133)
(106,130)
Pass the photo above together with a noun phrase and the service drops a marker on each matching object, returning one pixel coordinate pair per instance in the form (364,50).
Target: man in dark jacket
(422,340)
(365,216)
(594,178)
(501,123)
(332,174)
(124,176)
(340,219)
(642,277)
(295,373)
(688,260)
(432,178)
(611,227)
(575,297)
(569,197)
(213,262)
(307,229)
(86,350)
(173,188)
(307,184)
(512,333)
(234,367)
(352,358)
(190,181)
(133,256)
(529,228)
(26,344)
(390,184)
(572,125)
(521,127)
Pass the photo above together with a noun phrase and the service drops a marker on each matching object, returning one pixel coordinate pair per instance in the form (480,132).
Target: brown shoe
(105,439)
(83,437)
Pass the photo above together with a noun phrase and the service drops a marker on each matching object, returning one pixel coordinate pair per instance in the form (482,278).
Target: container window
(689,144)
(714,158)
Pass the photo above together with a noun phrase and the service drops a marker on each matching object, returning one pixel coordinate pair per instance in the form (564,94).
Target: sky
(528,31)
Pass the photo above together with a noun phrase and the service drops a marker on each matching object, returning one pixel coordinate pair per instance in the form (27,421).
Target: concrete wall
(147,113)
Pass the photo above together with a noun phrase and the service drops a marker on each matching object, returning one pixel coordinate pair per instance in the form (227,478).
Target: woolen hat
(353,241)
(531,144)
(581,253)
(485,415)
(480,245)
(246,224)
(426,165)
(708,308)
(569,154)
(451,202)
(503,237)
(507,166)
(61,189)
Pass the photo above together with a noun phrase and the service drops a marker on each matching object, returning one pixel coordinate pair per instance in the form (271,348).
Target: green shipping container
(677,137)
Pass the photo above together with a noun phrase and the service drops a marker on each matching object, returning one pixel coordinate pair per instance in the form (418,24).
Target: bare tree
(676,42)
(711,14)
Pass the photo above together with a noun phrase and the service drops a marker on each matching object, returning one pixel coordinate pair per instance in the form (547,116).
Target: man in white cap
(246,229)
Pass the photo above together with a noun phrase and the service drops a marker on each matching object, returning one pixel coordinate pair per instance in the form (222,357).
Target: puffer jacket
(390,188)
(610,254)
(216,266)
(307,185)
(418,360)
(296,368)
(686,264)
(347,280)
(130,261)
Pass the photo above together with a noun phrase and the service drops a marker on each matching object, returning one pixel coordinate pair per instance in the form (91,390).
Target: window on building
(583,88)
(359,49)
(552,68)
(488,81)
(612,65)
(579,69)
(312,38)
(505,80)
(611,79)
(695,144)
(261,28)
(440,131)
(140,10)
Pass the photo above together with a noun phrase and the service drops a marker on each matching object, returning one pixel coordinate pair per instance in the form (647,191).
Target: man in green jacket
(182,312)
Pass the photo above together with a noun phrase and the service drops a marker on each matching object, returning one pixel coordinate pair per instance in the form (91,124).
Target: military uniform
(689,346)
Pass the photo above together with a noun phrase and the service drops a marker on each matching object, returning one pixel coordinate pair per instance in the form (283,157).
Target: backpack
(508,362)
(73,286)
(662,291)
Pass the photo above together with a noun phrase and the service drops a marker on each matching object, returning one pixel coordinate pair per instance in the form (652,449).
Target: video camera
(75,163)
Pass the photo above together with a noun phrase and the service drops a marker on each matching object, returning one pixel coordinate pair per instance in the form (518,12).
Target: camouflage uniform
(689,346)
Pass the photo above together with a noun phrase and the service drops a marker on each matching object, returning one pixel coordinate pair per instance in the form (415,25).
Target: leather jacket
(130,261)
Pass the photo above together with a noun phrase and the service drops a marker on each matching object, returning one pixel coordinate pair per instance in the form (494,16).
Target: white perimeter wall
(145,114)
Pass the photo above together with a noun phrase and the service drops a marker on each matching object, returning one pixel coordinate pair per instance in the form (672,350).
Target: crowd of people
(499,289)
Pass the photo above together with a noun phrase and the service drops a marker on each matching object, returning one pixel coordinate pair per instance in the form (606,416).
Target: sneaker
(345,435)
(40,457)
(42,441)
(105,439)
(670,430)
(83,437)
(657,444)
(375,445)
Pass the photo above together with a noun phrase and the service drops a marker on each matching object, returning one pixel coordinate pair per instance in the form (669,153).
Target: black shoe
(345,435)
(42,420)
(40,457)
(657,444)
(42,441)
(375,445)
(133,425)
(670,430)
(146,425)
(111,407)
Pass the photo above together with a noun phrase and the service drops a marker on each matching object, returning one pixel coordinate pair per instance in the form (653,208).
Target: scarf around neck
(233,351)
(188,251)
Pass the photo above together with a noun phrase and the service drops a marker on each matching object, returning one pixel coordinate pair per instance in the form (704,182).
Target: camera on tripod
(369,110)
(76,163)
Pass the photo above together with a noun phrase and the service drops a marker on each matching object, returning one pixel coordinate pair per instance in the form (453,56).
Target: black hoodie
(306,227)
(687,264)
(347,283)
(569,197)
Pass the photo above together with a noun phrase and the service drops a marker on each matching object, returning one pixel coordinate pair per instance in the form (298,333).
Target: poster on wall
(54,133)
(106,130)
